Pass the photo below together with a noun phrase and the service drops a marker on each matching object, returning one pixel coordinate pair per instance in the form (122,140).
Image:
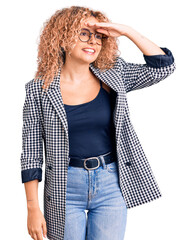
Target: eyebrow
(89,30)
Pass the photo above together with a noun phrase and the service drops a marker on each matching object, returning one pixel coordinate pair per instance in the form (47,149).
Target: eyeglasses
(85,36)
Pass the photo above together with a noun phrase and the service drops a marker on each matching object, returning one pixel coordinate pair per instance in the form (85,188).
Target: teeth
(88,50)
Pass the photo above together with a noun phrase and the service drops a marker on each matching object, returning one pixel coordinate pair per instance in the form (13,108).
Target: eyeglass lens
(85,36)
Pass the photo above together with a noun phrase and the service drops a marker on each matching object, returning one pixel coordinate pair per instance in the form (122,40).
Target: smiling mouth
(89,51)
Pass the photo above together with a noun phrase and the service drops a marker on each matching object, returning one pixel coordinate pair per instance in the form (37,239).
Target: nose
(92,39)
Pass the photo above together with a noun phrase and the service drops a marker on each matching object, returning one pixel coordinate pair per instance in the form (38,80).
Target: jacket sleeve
(32,145)
(157,68)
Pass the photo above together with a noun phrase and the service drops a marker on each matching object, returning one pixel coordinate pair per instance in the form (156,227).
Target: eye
(99,36)
(83,33)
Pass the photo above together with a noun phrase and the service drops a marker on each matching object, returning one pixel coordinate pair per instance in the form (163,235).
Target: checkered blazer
(45,127)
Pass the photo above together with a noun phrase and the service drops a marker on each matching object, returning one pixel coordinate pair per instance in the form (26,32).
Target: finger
(34,236)
(31,234)
(44,229)
(39,236)
(104,25)
(90,24)
(104,31)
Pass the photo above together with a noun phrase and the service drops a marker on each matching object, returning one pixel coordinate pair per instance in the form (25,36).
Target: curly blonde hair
(59,36)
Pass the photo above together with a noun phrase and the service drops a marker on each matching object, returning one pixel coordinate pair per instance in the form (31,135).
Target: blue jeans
(98,192)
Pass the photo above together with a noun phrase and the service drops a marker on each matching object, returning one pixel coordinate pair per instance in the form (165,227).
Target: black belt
(92,162)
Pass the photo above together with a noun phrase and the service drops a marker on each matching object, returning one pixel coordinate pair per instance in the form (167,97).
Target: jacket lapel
(109,77)
(112,78)
(55,97)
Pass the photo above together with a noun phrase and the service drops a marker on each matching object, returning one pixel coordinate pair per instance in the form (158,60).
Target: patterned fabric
(45,121)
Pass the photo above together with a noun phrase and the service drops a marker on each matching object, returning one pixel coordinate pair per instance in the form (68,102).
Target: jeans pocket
(112,167)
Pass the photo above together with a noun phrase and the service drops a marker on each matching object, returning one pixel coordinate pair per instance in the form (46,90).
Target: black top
(90,126)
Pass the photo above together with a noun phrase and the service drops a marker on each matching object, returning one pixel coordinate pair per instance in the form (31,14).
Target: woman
(77,106)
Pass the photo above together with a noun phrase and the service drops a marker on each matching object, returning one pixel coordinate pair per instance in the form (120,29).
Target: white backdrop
(163,115)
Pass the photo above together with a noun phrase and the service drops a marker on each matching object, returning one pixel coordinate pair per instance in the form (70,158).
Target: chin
(90,59)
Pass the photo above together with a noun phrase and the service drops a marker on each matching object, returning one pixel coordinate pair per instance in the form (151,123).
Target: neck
(75,71)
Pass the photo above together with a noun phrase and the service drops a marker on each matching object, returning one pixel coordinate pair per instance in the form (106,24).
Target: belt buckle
(94,167)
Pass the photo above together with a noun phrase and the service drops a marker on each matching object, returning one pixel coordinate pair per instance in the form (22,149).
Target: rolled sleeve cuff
(31,174)
(158,61)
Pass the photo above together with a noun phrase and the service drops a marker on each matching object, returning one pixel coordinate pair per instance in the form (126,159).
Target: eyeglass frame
(91,33)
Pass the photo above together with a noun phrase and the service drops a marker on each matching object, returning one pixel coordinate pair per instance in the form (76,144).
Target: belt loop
(103,161)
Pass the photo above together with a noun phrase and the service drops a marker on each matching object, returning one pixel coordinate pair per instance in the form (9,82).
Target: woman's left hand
(109,29)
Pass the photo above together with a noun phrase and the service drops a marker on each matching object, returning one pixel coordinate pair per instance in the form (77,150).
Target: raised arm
(157,68)
(159,61)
